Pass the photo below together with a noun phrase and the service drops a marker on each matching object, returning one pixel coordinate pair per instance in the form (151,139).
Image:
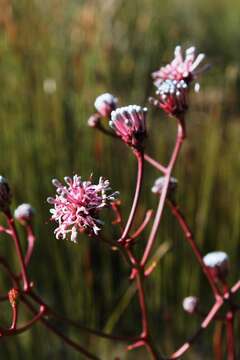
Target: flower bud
(159,184)
(5,194)
(129,123)
(190,304)
(105,104)
(93,121)
(218,264)
(24,213)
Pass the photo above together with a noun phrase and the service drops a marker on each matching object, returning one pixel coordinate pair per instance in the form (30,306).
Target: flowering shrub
(77,206)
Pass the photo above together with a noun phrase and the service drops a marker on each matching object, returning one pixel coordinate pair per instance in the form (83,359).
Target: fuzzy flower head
(5,194)
(129,123)
(218,264)
(173,81)
(158,185)
(24,213)
(181,67)
(105,104)
(77,204)
(190,304)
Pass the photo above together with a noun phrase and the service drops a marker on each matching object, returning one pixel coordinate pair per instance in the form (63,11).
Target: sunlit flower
(77,204)
(218,263)
(105,104)
(5,194)
(24,213)
(181,67)
(190,304)
(129,123)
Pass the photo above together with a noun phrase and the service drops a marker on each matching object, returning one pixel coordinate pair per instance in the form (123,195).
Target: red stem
(15,237)
(31,242)
(158,216)
(68,341)
(59,317)
(189,237)
(210,316)
(230,336)
(139,156)
(155,163)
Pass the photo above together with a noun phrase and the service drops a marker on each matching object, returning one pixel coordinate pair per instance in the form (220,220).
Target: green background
(90,47)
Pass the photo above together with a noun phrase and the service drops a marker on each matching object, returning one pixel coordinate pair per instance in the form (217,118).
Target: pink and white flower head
(105,104)
(181,67)
(5,194)
(218,264)
(24,213)
(129,123)
(158,186)
(172,97)
(190,304)
(77,205)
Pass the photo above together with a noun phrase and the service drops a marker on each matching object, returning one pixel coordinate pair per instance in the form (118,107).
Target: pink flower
(172,97)
(77,204)
(129,123)
(105,104)
(181,68)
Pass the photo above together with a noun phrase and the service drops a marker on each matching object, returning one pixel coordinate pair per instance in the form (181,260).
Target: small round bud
(5,194)
(13,296)
(93,121)
(105,104)
(218,263)
(159,184)
(24,213)
(190,304)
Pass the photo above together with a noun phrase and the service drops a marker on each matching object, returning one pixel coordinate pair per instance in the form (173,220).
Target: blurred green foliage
(56,56)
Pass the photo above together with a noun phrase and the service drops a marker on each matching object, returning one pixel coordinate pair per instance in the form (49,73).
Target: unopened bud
(24,213)
(93,121)
(159,185)
(190,304)
(5,194)
(13,296)
(105,104)
(218,263)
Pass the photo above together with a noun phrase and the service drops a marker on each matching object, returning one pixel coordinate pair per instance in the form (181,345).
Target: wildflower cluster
(77,205)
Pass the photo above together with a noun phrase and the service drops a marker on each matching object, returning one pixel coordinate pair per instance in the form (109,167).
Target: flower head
(5,194)
(129,122)
(24,213)
(158,185)
(105,104)
(190,304)
(77,204)
(218,263)
(173,80)
(181,68)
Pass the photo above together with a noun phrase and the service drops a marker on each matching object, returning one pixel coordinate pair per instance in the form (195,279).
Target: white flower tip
(197,87)
(24,212)
(105,103)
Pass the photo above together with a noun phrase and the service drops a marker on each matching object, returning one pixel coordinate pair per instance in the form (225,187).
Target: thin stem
(14,316)
(189,237)
(210,316)
(143,225)
(155,163)
(15,237)
(31,242)
(75,324)
(230,336)
(63,337)
(156,223)
(139,156)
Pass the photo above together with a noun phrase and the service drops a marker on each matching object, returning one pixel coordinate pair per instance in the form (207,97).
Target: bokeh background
(56,56)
